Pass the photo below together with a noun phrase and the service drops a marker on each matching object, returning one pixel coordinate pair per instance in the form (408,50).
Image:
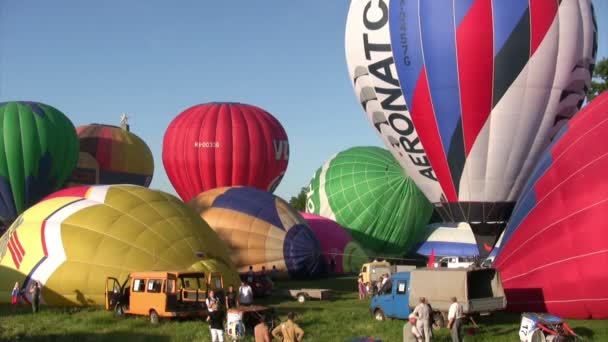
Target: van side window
(364,269)
(155,285)
(402,286)
(139,285)
(170,286)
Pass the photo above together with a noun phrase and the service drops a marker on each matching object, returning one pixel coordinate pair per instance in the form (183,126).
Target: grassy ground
(340,319)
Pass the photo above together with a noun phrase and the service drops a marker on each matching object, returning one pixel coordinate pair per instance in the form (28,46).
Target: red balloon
(555,248)
(224,144)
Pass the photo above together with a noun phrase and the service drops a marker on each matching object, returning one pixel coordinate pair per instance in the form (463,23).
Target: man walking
(423,312)
(455,317)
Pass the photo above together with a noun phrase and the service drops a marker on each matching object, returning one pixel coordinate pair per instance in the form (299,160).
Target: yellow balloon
(74,239)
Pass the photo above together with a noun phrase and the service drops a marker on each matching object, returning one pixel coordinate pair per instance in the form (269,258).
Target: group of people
(383,285)
(419,326)
(35,291)
(232,299)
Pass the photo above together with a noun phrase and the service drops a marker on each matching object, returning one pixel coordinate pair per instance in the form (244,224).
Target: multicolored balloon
(444,239)
(112,155)
(38,151)
(261,230)
(365,190)
(75,238)
(467,94)
(337,245)
(224,144)
(555,250)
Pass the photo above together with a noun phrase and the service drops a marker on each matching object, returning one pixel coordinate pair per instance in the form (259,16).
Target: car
(261,285)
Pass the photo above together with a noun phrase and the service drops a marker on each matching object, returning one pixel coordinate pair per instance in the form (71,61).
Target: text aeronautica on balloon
(381,65)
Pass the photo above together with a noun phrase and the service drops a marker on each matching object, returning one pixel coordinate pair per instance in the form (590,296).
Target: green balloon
(38,151)
(365,190)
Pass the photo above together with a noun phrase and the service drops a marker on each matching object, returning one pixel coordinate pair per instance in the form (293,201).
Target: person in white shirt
(245,294)
(410,332)
(423,313)
(211,299)
(455,317)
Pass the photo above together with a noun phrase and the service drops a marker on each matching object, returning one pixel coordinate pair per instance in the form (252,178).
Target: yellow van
(162,294)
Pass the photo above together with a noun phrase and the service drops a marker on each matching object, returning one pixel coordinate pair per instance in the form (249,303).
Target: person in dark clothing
(216,324)
(231,298)
(35,291)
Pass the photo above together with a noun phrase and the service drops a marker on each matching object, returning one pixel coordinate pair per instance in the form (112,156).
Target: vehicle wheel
(119,309)
(439,320)
(301,298)
(154,319)
(379,315)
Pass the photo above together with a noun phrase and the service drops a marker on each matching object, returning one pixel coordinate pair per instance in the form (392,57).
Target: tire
(439,319)
(301,298)
(154,319)
(119,309)
(379,315)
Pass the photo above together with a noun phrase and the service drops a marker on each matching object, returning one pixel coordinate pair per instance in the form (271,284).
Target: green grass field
(342,318)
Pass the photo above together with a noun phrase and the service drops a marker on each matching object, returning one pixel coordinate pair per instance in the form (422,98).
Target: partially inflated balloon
(455,240)
(38,151)
(365,190)
(112,155)
(74,239)
(337,245)
(261,230)
(555,249)
(467,94)
(224,144)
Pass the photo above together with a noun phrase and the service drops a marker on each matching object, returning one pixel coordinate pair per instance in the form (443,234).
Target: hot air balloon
(365,190)
(71,241)
(467,94)
(555,249)
(445,239)
(224,144)
(261,230)
(38,151)
(112,155)
(337,245)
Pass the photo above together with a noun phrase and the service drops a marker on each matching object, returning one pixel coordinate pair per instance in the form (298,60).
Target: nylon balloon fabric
(261,230)
(467,94)
(38,151)
(75,238)
(222,144)
(365,190)
(337,245)
(112,155)
(555,247)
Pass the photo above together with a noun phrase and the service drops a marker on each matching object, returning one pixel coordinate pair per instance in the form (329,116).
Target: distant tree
(599,83)
(299,202)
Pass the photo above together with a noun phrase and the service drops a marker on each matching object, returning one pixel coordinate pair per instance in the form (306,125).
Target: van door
(112,293)
(171,293)
(401,299)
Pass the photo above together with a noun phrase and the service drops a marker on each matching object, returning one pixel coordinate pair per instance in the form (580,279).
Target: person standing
(361,288)
(410,332)
(423,313)
(245,294)
(216,324)
(231,298)
(261,332)
(289,331)
(455,317)
(15,295)
(274,274)
(211,299)
(35,291)
(250,275)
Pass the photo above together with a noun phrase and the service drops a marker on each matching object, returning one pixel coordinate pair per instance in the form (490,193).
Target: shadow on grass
(112,336)
(584,332)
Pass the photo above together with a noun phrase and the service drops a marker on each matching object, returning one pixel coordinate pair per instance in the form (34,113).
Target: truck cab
(161,294)
(394,302)
(371,271)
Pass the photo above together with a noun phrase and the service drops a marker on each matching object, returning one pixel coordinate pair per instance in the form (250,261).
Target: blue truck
(478,290)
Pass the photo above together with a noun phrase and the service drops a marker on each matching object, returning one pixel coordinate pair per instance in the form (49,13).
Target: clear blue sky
(152,59)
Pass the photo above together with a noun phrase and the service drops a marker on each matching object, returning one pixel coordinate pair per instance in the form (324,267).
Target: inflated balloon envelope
(71,241)
(466,95)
